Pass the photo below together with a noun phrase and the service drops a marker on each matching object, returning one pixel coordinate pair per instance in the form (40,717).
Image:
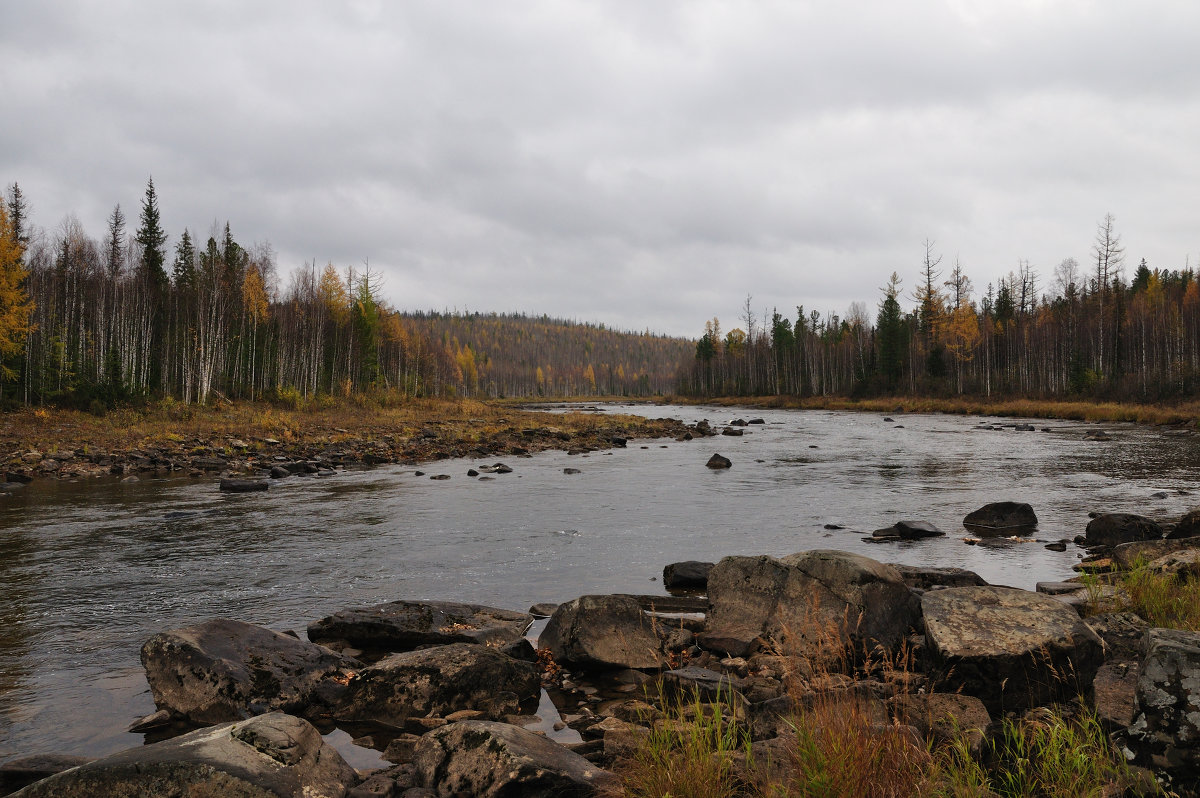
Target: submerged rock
(243,485)
(222,670)
(272,755)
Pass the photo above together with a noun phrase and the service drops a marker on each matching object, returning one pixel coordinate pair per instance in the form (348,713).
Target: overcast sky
(642,164)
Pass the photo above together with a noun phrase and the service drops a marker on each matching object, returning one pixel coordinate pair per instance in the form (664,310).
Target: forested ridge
(133,315)
(1085,331)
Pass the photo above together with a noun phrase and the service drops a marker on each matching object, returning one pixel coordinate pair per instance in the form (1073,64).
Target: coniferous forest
(133,315)
(1086,331)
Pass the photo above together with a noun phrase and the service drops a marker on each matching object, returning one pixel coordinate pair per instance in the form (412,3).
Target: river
(89,570)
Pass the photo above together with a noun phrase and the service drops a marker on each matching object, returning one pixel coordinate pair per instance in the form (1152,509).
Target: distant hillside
(519,355)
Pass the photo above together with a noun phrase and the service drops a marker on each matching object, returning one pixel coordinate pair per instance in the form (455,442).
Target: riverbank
(245,437)
(1182,414)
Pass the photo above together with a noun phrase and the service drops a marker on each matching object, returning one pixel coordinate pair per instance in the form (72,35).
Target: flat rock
(1115,694)
(602,632)
(271,755)
(1013,649)
(244,485)
(924,577)
(405,625)
(222,670)
(909,530)
(1127,555)
(438,681)
(496,760)
(811,603)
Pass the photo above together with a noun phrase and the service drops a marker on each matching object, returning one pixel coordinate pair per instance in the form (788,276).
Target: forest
(91,323)
(1086,332)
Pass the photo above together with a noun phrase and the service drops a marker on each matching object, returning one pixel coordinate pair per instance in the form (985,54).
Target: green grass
(1165,600)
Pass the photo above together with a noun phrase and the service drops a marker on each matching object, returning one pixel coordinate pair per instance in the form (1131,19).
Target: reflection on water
(89,571)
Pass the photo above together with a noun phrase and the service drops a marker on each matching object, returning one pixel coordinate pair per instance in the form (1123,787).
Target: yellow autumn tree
(962,336)
(15,305)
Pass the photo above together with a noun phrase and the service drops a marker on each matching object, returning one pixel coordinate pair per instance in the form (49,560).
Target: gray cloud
(640,164)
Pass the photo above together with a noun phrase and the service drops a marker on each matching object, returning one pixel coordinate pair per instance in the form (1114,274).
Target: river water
(89,570)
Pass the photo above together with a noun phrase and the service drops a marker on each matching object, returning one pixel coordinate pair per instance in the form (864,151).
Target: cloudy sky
(642,164)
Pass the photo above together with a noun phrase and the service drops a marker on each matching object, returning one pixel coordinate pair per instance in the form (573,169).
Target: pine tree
(889,327)
(152,240)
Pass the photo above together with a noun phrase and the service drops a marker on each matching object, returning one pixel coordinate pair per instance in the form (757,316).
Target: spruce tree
(889,327)
(152,240)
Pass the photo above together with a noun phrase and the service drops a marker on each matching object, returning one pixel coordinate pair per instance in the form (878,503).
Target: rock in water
(438,681)
(405,625)
(690,574)
(816,603)
(1002,515)
(222,670)
(1011,648)
(717,461)
(1112,529)
(496,760)
(243,485)
(272,755)
(602,632)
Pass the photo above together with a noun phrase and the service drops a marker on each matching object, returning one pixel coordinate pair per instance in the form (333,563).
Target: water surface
(89,570)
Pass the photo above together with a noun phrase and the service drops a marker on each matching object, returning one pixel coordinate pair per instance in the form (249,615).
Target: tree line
(89,322)
(1087,331)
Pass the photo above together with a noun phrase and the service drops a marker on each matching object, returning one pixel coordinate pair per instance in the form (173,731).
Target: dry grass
(327,421)
(1164,600)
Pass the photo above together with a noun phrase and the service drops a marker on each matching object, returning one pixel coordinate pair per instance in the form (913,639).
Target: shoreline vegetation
(381,428)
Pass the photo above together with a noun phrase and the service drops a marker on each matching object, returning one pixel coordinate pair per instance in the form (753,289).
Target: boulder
(925,577)
(692,682)
(812,603)
(943,716)
(602,632)
(1112,529)
(1182,564)
(1188,526)
(222,670)
(1115,694)
(690,574)
(1123,633)
(1011,648)
(496,760)
(434,682)
(271,755)
(1165,732)
(1002,515)
(405,625)
(717,461)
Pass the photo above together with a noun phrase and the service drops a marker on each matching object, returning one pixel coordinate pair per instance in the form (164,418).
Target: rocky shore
(449,692)
(261,443)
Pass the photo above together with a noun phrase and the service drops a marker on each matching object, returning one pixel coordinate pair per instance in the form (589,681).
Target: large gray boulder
(1013,649)
(496,760)
(603,632)
(438,681)
(405,625)
(1001,515)
(1113,529)
(222,670)
(927,577)
(270,756)
(1166,728)
(814,604)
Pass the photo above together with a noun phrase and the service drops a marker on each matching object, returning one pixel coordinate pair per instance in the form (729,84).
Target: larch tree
(15,305)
